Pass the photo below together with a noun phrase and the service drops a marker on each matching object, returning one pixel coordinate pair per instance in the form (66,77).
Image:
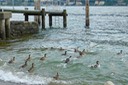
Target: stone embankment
(21,28)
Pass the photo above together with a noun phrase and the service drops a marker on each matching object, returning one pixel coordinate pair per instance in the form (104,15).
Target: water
(106,37)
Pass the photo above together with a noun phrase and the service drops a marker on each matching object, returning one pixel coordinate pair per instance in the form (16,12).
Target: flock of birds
(67,60)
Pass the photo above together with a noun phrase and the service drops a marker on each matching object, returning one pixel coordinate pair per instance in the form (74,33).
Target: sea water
(106,36)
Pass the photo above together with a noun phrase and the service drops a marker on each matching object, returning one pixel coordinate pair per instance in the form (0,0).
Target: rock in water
(109,83)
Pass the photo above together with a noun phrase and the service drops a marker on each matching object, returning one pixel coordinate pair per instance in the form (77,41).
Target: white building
(99,3)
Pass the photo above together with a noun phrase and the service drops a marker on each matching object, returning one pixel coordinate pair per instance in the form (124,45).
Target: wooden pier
(41,13)
(7,13)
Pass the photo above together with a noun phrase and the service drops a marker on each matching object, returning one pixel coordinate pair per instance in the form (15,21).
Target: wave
(21,77)
(111,42)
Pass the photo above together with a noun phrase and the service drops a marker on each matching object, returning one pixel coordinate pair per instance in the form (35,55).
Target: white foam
(61,82)
(64,65)
(21,77)
(74,58)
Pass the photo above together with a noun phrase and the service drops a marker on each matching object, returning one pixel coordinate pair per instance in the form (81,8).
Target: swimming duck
(29,58)
(44,57)
(31,68)
(82,52)
(65,53)
(96,65)
(52,48)
(119,53)
(24,65)
(76,49)
(56,77)
(67,59)
(61,49)
(12,60)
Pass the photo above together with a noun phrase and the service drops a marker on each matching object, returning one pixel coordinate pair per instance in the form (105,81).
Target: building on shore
(99,2)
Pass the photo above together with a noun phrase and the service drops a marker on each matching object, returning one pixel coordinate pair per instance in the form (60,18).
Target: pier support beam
(64,19)
(2,29)
(43,19)
(26,17)
(50,20)
(87,21)
(5,25)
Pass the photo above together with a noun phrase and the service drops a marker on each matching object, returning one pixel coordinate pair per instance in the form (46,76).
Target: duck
(52,48)
(65,53)
(31,69)
(24,65)
(43,58)
(76,49)
(96,65)
(29,58)
(61,49)
(67,59)
(119,53)
(12,60)
(82,52)
(56,77)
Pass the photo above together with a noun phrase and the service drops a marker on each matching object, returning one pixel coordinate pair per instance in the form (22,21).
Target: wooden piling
(2,29)
(7,28)
(26,17)
(43,19)
(67,2)
(87,14)
(37,7)
(64,18)
(50,20)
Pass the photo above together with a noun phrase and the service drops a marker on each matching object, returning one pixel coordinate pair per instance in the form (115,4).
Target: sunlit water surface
(106,37)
